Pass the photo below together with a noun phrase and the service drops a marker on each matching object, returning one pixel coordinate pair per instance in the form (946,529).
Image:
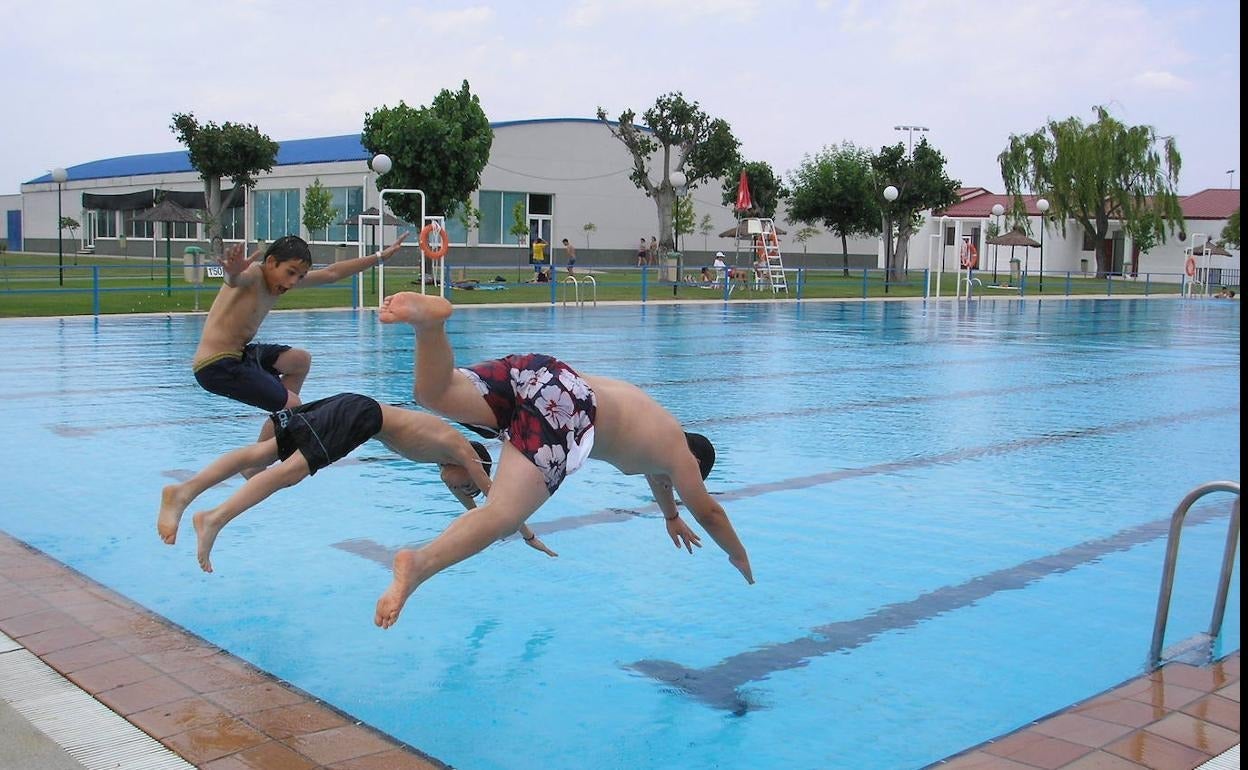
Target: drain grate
(88,730)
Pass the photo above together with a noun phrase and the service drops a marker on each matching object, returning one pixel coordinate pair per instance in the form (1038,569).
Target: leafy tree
(706,227)
(921,185)
(440,150)
(681,137)
(683,216)
(589,227)
(766,189)
(520,229)
(231,150)
(1230,233)
(469,216)
(70,224)
(837,189)
(1096,173)
(318,209)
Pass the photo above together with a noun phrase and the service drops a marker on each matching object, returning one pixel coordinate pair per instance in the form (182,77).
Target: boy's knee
(296,361)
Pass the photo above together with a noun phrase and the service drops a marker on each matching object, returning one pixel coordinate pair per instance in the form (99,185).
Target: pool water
(956,517)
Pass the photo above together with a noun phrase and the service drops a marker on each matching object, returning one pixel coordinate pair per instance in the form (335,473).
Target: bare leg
(438,385)
(294,365)
(518,490)
(175,497)
(208,523)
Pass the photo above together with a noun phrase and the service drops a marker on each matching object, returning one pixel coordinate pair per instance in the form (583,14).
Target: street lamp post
(997,211)
(1043,206)
(680,184)
(910,130)
(59,175)
(890,195)
(1230,179)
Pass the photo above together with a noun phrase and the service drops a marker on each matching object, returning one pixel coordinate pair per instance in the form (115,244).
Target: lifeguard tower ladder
(769,244)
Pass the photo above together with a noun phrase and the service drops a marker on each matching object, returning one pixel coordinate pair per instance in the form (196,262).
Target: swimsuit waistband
(212,359)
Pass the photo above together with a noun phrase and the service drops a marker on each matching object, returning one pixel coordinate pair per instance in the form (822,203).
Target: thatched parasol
(168,212)
(739,232)
(1013,239)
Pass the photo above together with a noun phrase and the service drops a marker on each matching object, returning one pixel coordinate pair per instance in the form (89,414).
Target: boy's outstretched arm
(711,515)
(340,270)
(234,264)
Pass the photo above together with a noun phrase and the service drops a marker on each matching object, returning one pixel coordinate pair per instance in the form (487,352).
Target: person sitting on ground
(551,419)
(311,436)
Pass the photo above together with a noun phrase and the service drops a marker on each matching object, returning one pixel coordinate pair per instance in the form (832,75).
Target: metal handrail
(1172,554)
(576,286)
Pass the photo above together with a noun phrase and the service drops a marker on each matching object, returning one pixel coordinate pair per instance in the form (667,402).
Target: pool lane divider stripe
(90,732)
(719,685)
(383,555)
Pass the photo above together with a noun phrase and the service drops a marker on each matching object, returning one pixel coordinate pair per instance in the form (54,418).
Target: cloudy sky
(85,81)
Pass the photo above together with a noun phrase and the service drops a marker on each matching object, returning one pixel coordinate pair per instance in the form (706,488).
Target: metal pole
(60,249)
(1042,252)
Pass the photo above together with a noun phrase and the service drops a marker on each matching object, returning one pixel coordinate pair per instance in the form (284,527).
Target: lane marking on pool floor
(86,729)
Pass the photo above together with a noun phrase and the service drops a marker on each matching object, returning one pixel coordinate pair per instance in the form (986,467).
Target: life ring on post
(970,256)
(1189,267)
(443,247)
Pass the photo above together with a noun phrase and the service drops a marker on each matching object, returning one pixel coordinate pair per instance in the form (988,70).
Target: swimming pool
(951,512)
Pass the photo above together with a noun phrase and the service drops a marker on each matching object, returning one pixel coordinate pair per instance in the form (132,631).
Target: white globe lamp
(381,163)
(890,193)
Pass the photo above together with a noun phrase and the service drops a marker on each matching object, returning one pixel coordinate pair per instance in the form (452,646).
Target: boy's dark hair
(484,454)
(703,450)
(289,247)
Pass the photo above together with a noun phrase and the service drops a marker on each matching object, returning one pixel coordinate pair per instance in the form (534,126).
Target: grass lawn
(30,286)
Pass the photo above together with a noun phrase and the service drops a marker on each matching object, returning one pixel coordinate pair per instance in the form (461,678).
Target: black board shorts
(326,430)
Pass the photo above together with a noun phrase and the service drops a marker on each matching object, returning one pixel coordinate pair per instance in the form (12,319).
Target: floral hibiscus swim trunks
(542,407)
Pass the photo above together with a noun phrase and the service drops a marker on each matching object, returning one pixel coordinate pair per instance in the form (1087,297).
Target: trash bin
(1083,266)
(1015,270)
(671,267)
(193,265)
(341,252)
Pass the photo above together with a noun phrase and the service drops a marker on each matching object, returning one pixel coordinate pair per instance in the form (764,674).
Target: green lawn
(29,286)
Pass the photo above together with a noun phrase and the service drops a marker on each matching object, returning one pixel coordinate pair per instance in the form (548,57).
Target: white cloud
(1160,81)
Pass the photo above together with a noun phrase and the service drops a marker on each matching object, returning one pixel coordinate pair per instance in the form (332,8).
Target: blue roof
(326,149)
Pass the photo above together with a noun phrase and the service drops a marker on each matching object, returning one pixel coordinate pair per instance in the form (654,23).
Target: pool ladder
(1172,554)
(576,287)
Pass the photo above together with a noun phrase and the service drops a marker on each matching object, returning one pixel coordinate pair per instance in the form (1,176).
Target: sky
(88,81)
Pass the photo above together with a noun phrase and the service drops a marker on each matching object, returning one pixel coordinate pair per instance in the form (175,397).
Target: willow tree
(678,136)
(232,150)
(1097,174)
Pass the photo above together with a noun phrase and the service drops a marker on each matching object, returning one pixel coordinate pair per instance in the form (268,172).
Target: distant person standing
(570,251)
(653,250)
(643,253)
(538,255)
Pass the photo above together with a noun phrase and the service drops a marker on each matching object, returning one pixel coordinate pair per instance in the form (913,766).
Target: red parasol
(743,193)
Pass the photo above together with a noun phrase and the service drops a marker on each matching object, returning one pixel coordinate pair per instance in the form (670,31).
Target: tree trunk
(844,256)
(212,199)
(666,200)
(900,252)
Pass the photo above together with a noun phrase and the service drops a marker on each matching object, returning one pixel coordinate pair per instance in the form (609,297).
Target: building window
(948,236)
(277,214)
(348,205)
(1089,243)
(497,215)
(135,228)
(233,223)
(105,224)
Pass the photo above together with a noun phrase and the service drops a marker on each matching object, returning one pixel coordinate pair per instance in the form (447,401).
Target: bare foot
(172,504)
(206,530)
(415,309)
(405,582)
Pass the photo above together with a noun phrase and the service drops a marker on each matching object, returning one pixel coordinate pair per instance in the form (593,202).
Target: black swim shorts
(249,377)
(543,407)
(326,430)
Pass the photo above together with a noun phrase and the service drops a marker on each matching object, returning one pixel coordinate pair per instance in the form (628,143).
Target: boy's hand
(682,536)
(389,251)
(234,261)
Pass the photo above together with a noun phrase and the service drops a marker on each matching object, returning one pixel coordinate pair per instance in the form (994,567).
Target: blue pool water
(953,517)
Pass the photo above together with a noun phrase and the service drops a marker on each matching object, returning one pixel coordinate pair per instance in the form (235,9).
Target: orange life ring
(1189,267)
(970,256)
(765,240)
(445,246)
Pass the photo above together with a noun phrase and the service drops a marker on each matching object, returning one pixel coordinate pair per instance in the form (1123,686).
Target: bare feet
(172,504)
(206,529)
(405,581)
(415,309)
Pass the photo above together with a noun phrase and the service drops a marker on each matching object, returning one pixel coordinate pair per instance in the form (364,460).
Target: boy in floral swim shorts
(550,418)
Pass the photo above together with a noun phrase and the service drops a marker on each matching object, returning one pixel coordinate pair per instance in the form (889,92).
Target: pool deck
(218,712)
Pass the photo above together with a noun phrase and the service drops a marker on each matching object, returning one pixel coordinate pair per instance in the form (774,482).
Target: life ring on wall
(970,256)
(1189,267)
(425,249)
(766,240)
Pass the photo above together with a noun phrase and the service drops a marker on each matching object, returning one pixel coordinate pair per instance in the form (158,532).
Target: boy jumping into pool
(265,376)
(311,436)
(550,419)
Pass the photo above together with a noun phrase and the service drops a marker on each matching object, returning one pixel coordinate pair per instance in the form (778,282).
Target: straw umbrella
(168,212)
(1013,239)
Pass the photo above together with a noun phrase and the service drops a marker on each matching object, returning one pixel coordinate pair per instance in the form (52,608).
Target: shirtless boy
(551,418)
(227,362)
(313,435)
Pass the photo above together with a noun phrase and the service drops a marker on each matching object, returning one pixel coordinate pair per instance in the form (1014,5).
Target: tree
(520,229)
(837,189)
(71,224)
(318,209)
(1230,233)
(766,189)
(681,137)
(683,216)
(804,235)
(589,227)
(440,150)
(921,185)
(469,216)
(1096,173)
(231,150)
(706,227)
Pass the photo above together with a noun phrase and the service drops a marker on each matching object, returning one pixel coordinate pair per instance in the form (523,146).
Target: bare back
(633,432)
(235,317)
